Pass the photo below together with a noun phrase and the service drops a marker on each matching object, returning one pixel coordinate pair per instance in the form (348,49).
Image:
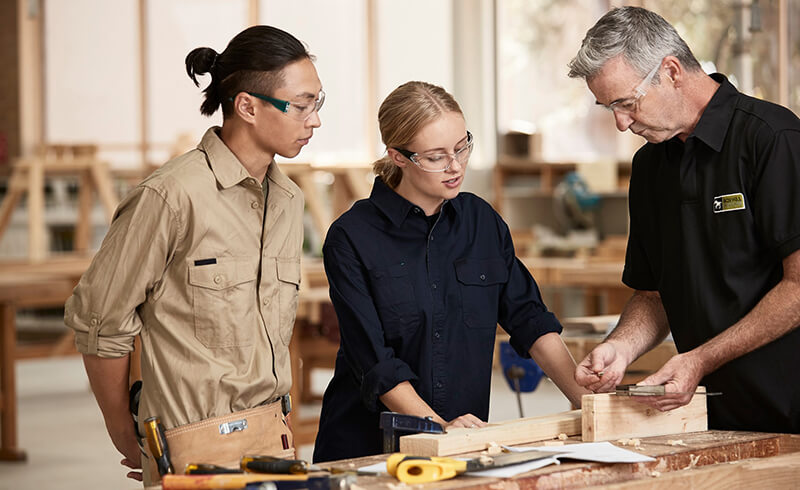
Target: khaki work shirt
(192,264)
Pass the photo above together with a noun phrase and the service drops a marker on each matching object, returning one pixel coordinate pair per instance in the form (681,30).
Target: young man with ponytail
(202,260)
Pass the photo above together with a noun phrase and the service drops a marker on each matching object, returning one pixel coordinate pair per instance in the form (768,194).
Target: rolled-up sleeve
(522,311)
(131,259)
(373,364)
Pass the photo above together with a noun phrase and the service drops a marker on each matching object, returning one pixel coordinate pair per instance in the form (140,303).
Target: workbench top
(770,459)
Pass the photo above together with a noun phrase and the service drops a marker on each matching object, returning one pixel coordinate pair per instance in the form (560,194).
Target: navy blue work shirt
(420,302)
(711,220)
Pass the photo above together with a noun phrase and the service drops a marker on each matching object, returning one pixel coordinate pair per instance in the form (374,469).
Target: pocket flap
(483,272)
(227,272)
(289,270)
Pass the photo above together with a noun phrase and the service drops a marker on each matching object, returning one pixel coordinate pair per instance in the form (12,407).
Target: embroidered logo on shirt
(729,202)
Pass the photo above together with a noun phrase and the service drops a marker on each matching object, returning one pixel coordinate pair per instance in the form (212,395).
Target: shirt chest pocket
(480,281)
(393,293)
(288,287)
(223,301)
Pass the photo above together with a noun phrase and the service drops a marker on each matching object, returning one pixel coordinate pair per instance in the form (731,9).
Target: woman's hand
(467,421)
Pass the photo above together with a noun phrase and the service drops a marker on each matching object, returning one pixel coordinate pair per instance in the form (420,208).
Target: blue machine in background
(522,375)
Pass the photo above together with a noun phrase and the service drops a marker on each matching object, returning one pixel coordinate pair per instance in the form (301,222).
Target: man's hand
(682,373)
(124,439)
(602,370)
(467,420)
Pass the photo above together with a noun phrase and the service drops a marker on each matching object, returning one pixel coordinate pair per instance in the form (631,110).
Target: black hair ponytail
(252,61)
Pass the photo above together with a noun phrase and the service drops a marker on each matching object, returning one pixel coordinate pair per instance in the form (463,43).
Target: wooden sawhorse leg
(8,387)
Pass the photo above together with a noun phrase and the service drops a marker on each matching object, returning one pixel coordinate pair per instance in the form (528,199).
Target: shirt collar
(229,171)
(713,124)
(395,206)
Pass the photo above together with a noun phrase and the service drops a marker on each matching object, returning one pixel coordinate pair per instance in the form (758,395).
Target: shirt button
(436,334)
(433,285)
(483,277)
(416,210)
(94,321)
(265,301)
(217,279)
(431,237)
(254,205)
(438,384)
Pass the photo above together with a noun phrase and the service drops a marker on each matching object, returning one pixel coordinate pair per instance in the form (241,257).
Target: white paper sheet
(601,452)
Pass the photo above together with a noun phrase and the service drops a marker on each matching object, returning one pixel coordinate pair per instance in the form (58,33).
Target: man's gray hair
(642,37)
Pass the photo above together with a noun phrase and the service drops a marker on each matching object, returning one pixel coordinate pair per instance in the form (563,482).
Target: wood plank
(510,432)
(775,472)
(606,416)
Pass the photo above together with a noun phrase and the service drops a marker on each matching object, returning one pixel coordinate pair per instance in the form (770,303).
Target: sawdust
(655,474)
(562,437)
(630,442)
(676,442)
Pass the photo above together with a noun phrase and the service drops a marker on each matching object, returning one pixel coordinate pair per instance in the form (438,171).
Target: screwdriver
(271,464)
(154,432)
(207,469)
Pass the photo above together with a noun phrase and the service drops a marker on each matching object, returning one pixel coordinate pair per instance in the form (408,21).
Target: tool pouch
(225,439)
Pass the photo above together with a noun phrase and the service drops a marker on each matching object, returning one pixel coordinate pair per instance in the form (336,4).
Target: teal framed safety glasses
(296,110)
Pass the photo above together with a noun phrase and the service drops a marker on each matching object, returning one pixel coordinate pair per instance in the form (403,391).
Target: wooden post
(8,405)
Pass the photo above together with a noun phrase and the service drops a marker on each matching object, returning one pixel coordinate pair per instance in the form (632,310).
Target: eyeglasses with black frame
(440,162)
(299,111)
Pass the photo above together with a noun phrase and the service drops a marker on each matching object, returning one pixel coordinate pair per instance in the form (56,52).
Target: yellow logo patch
(729,202)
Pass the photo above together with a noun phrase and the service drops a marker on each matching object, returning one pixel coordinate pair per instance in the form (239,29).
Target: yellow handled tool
(420,469)
(424,469)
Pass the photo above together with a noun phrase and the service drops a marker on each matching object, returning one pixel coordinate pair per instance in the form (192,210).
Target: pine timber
(518,431)
(606,416)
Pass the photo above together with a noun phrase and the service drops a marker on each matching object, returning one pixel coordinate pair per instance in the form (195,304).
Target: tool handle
(423,469)
(207,469)
(270,464)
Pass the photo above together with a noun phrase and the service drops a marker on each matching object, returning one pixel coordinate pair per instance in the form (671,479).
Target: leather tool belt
(225,439)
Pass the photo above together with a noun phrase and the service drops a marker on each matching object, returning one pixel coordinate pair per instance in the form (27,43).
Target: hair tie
(213,61)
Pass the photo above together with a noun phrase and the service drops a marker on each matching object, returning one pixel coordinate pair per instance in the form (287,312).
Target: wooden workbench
(711,458)
(44,284)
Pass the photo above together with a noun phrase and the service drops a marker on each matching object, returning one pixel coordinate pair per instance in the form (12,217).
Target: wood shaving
(676,442)
(492,449)
(484,459)
(636,442)
(562,437)
(655,474)
(624,442)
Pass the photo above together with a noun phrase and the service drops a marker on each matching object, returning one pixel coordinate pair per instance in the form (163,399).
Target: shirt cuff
(523,337)
(383,377)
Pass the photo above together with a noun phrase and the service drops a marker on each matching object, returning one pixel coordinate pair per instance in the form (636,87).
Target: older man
(714,228)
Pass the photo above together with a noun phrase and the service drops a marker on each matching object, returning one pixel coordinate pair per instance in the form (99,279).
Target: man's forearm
(777,314)
(108,378)
(642,326)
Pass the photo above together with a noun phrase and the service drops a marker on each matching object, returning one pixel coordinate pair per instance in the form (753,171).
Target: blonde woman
(420,275)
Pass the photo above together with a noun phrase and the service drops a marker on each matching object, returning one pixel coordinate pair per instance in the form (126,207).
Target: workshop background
(94,96)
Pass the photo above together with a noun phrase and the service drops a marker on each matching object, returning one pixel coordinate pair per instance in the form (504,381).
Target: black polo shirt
(710,221)
(419,300)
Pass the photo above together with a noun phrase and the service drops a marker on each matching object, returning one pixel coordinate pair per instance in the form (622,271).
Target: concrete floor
(62,429)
